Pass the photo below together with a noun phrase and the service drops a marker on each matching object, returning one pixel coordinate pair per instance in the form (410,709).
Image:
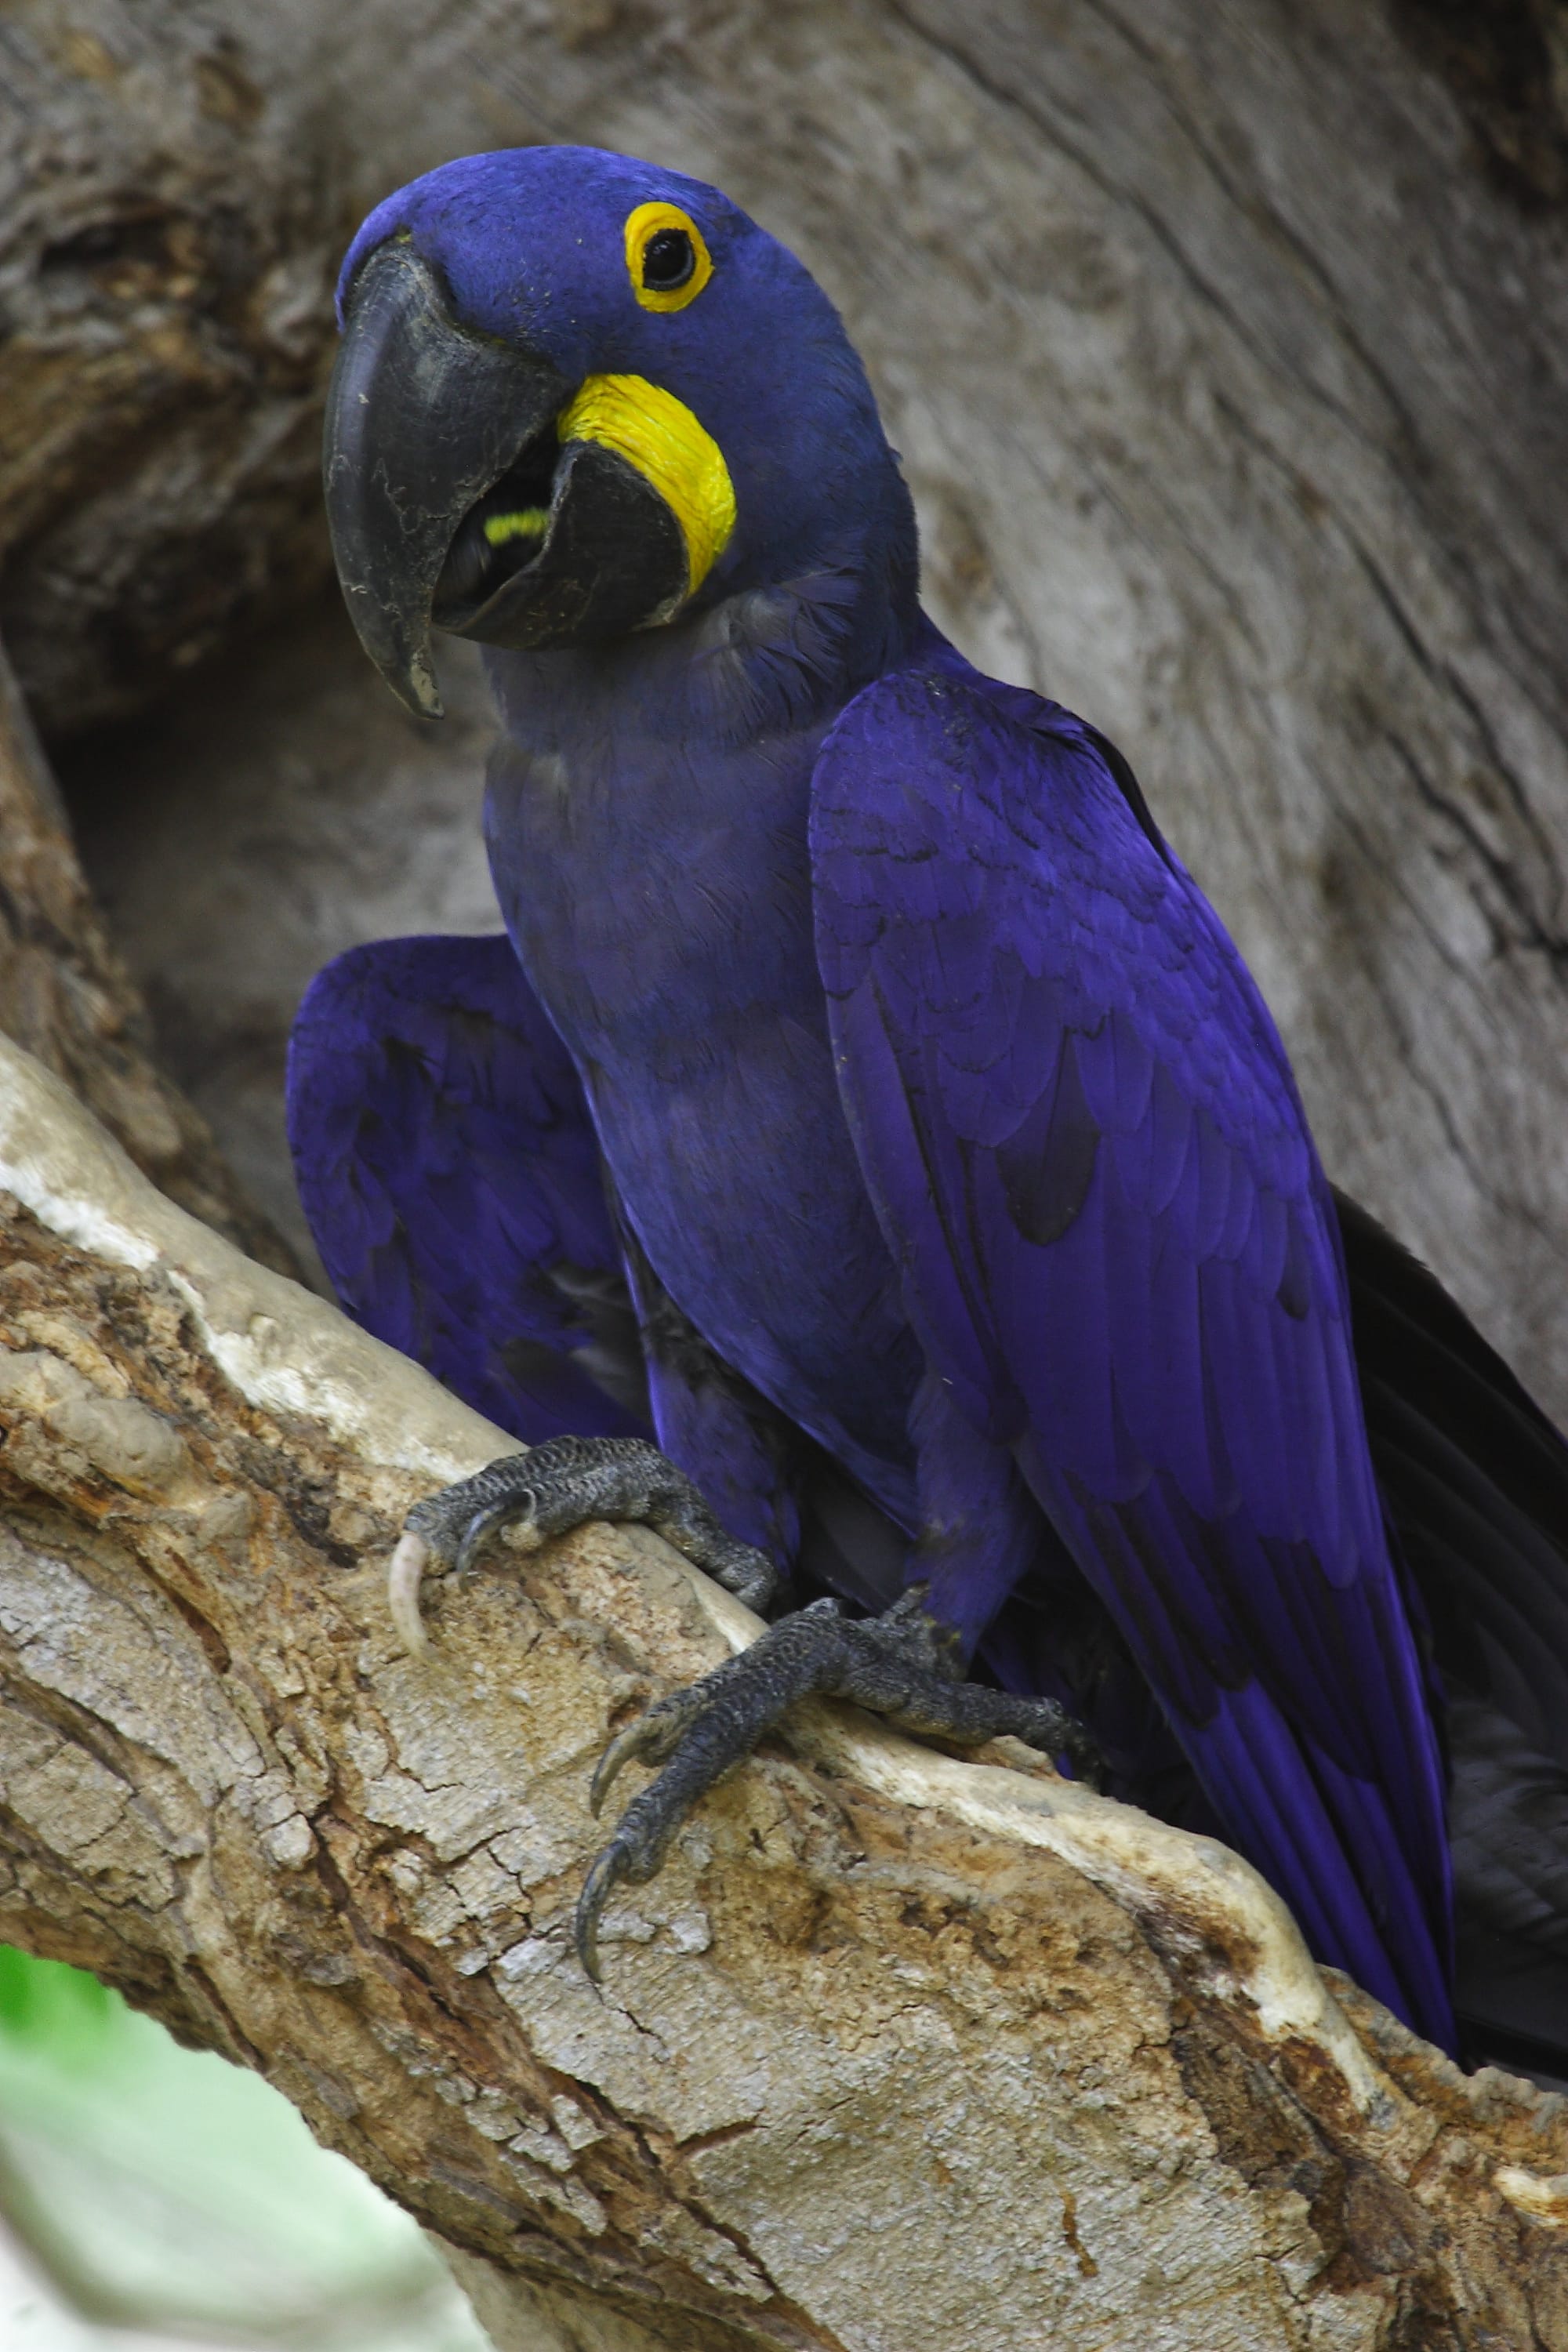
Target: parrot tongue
(593,555)
(423,419)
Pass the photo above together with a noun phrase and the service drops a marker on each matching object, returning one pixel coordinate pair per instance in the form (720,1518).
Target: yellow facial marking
(668,222)
(528,522)
(660,435)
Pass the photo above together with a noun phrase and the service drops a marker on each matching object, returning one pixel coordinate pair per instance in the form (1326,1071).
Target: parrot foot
(555,1487)
(905,1666)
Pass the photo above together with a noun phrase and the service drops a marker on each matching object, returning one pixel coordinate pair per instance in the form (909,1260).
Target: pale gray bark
(899,2054)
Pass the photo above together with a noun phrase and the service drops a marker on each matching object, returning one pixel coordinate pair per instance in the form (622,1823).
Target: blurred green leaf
(45,2006)
(162,2188)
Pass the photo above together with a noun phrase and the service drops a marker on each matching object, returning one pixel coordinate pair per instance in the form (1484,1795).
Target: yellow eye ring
(680,242)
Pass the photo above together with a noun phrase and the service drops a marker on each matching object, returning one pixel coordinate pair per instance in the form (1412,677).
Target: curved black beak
(422,418)
(453,504)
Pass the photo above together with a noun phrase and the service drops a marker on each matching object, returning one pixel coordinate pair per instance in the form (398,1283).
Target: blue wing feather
(1087,1150)
(451,1177)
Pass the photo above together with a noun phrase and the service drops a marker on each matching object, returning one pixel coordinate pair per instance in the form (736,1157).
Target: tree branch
(901,2050)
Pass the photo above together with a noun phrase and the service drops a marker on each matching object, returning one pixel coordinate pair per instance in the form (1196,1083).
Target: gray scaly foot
(557,1486)
(905,1666)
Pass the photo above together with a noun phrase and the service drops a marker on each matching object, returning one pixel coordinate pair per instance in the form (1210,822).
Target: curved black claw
(651,1738)
(605,1872)
(645,1831)
(903,1666)
(557,1486)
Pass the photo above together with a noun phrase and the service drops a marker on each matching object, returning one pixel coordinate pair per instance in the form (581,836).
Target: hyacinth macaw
(866,1157)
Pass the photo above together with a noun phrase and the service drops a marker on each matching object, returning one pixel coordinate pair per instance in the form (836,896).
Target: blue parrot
(866,1156)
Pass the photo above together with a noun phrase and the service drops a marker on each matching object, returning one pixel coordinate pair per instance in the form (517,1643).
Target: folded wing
(1088,1153)
(452,1179)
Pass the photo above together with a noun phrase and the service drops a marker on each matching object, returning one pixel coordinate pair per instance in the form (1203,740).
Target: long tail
(1475,1480)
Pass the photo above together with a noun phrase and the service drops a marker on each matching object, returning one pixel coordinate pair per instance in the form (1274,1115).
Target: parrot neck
(764,661)
(649,800)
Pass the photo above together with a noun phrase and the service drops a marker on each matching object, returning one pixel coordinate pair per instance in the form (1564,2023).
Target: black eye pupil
(668,260)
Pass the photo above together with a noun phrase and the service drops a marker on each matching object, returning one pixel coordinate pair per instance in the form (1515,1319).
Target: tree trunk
(901,2051)
(66,995)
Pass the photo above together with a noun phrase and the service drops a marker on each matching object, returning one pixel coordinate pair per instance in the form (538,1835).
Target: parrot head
(577,396)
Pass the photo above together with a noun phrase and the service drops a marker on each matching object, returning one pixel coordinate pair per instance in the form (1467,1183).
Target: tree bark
(900,2051)
(1228,347)
(65,995)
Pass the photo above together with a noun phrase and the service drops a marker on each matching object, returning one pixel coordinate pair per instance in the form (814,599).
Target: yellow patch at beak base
(660,435)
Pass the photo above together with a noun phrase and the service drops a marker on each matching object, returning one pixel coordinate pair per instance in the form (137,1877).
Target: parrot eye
(667,259)
(667,262)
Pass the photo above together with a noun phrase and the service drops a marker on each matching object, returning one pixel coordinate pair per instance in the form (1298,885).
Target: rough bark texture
(66,995)
(288,809)
(165,274)
(1227,345)
(902,2053)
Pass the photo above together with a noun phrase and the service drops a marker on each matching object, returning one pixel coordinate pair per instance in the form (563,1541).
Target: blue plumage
(453,1187)
(953,1165)
(1088,1153)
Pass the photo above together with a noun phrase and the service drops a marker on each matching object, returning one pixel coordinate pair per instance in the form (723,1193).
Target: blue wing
(452,1179)
(1084,1142)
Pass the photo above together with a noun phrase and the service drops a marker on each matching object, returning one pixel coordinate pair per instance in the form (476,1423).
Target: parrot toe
(904,1666)
(557,1486)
